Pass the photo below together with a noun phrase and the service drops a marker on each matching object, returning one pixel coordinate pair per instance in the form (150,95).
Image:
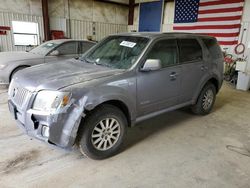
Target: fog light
(45,131)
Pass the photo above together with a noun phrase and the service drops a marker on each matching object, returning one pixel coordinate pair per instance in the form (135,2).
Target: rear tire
(205,101)
(103,132)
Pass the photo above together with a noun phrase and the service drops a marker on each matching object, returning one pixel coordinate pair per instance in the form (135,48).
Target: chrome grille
(18,94)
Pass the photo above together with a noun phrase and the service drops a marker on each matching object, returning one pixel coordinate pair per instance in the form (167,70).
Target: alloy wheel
(207,100)
(105,134)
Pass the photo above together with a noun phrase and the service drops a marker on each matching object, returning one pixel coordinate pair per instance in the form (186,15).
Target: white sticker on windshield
(50,44)
(128,44)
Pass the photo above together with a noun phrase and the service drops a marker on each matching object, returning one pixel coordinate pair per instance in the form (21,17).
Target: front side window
(45,48)
(25,33)
(67,48)
(166,51)
(119,52)
(190,50)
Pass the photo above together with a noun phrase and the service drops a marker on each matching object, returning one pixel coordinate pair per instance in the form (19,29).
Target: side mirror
(151,65)
(54,53)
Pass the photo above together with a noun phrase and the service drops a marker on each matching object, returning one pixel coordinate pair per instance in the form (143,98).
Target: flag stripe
(225,39)
(235,30)
(212,11)
(226,43)
(222,34)
(230,22)
(221,6)
(220,2)
(219,18)
(214,1)
(220,14)
(207,27)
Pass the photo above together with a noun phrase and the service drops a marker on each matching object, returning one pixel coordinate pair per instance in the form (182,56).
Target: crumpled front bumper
(58,129)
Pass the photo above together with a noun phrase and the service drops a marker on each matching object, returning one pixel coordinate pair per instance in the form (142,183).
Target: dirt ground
(177,149)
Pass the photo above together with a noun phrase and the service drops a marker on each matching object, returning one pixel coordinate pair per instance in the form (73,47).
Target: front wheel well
(119,104)
(16,69)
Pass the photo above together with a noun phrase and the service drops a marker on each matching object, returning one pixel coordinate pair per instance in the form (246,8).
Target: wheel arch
(214,80)
(117,103)
(16,68)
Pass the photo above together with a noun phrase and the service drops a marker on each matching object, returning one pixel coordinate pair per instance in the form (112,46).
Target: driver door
(160,89)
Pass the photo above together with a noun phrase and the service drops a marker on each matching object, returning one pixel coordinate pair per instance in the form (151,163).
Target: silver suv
(123,80)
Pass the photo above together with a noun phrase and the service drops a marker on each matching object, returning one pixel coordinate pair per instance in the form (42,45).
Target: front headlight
(51,101)
(2,66)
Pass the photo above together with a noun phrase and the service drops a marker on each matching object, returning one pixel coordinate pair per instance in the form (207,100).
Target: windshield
(119,52)
(45,48)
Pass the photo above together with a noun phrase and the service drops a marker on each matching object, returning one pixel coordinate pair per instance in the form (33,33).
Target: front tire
(205,101)
(103,132)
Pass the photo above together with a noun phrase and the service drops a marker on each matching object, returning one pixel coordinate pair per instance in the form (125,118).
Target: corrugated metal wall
(80,29)
(104,29)
(6,41)
(168,17)
(132,28)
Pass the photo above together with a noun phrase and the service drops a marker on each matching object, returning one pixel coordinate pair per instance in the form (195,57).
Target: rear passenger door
(157,90)
(193,67)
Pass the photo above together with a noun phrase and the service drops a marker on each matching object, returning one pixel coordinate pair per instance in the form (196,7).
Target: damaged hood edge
(58,75)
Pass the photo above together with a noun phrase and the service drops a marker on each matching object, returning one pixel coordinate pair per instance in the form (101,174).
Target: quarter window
(190,50)
(166,51)
(213,47)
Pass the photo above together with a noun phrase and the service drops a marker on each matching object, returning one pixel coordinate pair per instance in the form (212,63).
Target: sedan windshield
(119,52)
(45,48)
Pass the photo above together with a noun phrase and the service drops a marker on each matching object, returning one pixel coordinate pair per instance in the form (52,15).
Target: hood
(56,75)
(6,57)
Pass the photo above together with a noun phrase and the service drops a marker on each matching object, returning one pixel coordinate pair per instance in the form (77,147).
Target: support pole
(46,26)
(131,12)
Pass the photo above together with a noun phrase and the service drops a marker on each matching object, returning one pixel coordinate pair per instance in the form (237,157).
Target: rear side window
(166,51)
(213,48)
(190,50)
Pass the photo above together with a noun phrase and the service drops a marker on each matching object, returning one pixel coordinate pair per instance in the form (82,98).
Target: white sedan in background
(54,50)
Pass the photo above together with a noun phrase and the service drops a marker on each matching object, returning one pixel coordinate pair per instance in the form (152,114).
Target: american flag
(218,18)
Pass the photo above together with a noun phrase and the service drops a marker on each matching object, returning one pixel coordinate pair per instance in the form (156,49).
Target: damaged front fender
(65,132)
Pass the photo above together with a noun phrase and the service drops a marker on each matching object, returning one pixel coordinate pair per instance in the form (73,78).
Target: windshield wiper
(95,62)
(104,65)
(92,61)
